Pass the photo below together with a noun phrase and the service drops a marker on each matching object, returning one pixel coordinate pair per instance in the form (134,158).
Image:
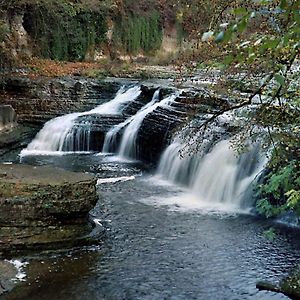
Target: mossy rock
(43,206)
(289,286)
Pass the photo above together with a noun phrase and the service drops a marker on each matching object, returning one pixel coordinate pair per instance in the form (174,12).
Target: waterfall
(111,136)
(223,176)
(57,135)
(128,146)
(220,176)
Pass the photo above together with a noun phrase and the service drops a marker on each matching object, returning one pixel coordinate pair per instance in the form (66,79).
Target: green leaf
(240,11)
(283,4)
(270,234)
(228,59)
(279,78)
(271,44)
(241,26)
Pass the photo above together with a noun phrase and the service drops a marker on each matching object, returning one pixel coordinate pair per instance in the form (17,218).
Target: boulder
(7,273)
(43,207)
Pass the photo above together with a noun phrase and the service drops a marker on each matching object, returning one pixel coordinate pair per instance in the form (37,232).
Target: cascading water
(57,135)
(128,146)
(223,176)
(220,176)
(110,138)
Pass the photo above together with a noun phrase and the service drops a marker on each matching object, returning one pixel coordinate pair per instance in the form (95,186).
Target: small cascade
(128,146)
(220,176)
(110,142)
(175,167)
(58,135)
(225,177)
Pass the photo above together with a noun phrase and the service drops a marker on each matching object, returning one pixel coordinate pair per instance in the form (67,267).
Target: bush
(280,190)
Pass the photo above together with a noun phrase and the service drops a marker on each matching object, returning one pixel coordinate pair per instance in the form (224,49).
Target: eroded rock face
(159,126)
(15,139)
(8,116)
(38,100)
(43,207)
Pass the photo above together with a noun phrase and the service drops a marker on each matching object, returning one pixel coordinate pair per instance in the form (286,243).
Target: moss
(136,33)
(4,30)
(70,35)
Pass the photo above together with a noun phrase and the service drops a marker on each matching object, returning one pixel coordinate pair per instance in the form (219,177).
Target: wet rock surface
(8,116)
(7,274)
(15,139)
(40,99)
(157,128)
(43,207)
(289,286)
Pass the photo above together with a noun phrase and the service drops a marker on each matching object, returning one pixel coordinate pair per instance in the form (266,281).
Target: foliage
(270,234)
(72,32)
(272,192)
(62,29)
(136,33)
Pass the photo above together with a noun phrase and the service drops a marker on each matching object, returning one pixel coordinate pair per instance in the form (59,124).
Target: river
(158,243)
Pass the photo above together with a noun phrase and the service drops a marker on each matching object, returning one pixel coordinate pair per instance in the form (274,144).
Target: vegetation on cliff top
(78,27)
(271,113)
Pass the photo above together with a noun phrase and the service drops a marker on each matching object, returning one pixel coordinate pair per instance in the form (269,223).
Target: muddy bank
(43,207)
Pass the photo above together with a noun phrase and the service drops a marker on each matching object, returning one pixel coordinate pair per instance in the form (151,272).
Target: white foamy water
(188,202)
(21,275)
(115,179)
(220,178)
(224,177)
(55,134)
(128,147)
(110,138)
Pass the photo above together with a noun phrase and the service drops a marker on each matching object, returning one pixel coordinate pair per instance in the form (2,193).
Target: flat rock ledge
(43,208)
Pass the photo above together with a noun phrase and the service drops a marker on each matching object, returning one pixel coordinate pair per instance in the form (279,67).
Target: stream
(159,243)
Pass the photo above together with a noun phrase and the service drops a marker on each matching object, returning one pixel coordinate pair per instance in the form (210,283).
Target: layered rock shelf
(37,100)
(43,207)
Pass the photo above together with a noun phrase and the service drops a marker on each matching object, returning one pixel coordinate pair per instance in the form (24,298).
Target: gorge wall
(84,31)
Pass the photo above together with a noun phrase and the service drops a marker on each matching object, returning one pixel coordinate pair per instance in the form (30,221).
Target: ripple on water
(162,244)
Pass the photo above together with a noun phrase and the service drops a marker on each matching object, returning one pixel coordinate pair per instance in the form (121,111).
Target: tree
(272,110)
